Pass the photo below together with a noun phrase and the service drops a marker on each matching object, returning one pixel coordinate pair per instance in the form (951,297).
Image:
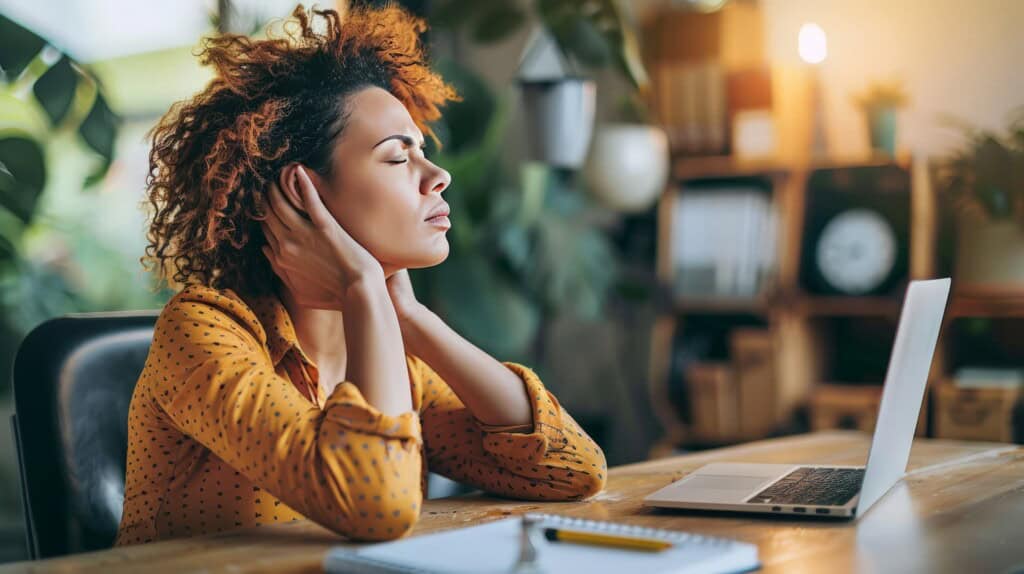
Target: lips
(438,212)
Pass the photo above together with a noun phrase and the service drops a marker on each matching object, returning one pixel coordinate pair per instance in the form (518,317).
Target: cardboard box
(753,358)
(975,413)
(845,407)
(713,402)
(836,406)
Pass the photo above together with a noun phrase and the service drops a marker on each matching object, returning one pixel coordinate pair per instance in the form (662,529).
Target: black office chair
(73,380)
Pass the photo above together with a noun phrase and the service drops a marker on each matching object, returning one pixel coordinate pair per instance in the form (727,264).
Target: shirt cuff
(544,433)
(348,408)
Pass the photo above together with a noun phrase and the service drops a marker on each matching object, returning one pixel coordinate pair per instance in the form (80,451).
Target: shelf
(721,306)
(992,306)
(717,167)
(842,306)
(724,166)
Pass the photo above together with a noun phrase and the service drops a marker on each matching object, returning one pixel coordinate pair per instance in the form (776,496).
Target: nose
(438,180)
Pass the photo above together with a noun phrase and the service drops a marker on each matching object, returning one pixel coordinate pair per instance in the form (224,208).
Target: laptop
(834,491)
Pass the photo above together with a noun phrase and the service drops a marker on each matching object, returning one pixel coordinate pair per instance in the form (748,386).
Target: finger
(271,236)
(274,224)
(285,211)
(311,201)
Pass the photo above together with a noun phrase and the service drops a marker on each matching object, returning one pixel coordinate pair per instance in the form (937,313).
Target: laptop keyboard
(813,486)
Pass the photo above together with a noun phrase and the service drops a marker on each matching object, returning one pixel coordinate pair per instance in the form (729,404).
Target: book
(494,547)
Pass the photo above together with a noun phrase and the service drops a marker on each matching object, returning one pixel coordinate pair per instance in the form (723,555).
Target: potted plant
(985,182)
(628,162)
(880,103)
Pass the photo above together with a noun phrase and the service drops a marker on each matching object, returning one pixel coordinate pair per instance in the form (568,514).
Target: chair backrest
(73,379)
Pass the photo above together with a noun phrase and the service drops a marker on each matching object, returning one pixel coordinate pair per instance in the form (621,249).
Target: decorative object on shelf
(985,181)
(753,358)
(812,45)
(881,102)
(979,404)
(628,164)
(751,118)
(713,402)
(856,230)
(852,407)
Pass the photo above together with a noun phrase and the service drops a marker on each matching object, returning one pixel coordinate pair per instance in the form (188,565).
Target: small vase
(628,166)
(882,130)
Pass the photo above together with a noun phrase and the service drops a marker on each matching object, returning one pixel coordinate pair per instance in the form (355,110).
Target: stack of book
(723,243)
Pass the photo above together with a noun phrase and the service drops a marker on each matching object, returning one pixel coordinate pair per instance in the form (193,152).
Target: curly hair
(272,102)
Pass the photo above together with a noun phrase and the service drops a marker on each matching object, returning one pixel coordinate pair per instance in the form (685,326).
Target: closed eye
(423,150)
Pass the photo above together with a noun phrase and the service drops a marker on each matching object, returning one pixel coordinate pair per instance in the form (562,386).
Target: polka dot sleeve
(348,467)
(550,459)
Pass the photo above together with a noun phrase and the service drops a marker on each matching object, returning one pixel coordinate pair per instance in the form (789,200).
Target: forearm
(376,354)
(494,394)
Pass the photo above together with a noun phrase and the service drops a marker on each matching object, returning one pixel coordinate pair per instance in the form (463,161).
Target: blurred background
(695,218)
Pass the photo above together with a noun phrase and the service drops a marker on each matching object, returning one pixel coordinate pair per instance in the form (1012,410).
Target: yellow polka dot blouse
(228,428)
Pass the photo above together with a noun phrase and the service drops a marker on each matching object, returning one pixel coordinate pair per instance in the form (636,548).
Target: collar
(277,325)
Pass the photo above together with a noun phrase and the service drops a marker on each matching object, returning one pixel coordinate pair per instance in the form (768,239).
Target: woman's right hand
(315,257)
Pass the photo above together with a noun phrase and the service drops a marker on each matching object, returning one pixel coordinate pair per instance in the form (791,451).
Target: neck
(321,334)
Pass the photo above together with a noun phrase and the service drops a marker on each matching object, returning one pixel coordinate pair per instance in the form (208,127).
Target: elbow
(387,511)
(592,482)
(588,485)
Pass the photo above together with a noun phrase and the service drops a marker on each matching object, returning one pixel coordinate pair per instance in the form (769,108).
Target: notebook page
(494,548)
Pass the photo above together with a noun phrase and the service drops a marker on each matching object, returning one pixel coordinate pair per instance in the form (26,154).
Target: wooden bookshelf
(798,321)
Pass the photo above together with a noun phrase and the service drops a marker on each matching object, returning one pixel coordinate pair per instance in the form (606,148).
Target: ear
(289,184)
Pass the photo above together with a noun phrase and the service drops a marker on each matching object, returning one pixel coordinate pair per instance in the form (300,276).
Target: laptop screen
(905,382)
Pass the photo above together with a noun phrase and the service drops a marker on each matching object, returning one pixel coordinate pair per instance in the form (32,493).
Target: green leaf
(485,308)
(453,14)
(25,175)
(581,39)
(18,47)
(55,89)
(99,129)
(499,20)
(8,252)
(468,119)
(97,174)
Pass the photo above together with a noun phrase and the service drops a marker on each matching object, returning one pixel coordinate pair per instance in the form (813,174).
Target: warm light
(812,44)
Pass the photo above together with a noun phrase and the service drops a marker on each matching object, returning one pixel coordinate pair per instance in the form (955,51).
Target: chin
(429,259)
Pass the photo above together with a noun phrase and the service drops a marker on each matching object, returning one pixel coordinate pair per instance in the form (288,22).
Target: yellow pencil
(648,544)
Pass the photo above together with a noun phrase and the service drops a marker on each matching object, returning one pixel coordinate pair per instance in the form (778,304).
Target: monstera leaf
(57,88)
(22,175)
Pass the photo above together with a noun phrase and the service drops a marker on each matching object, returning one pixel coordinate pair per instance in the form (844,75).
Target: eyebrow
(408,141)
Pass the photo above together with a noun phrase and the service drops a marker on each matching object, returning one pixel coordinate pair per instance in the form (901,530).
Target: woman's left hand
(403,298)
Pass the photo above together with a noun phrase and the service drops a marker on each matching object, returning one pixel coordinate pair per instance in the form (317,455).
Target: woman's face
(383,190)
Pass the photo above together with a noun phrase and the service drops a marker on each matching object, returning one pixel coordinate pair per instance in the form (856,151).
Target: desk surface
(959,510)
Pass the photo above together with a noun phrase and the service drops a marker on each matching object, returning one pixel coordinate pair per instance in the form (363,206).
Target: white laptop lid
(905,382)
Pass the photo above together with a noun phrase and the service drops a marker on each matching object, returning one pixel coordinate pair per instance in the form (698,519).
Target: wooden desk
(961,509)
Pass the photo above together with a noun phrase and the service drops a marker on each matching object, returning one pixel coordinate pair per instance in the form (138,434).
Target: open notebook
(494,548)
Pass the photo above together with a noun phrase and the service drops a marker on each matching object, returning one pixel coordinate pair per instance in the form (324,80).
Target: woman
(295,374)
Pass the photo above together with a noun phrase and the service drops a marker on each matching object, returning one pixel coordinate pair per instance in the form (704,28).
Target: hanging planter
(559,104)
(559,117)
